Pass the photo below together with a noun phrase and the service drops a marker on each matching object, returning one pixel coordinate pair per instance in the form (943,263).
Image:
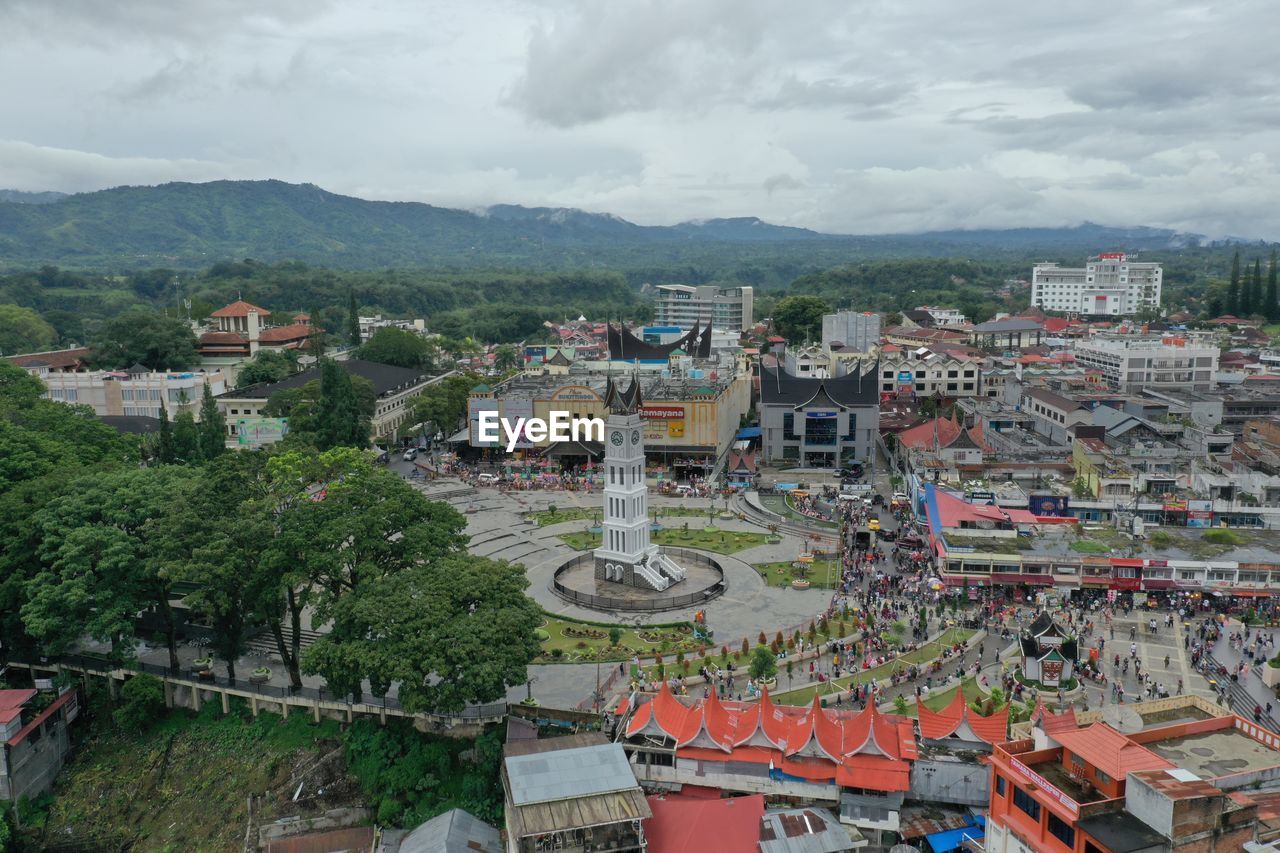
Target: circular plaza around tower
(576,581)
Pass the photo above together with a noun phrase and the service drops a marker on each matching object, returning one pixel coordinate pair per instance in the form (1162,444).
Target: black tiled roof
(131,424)
(385,378)
(779,387)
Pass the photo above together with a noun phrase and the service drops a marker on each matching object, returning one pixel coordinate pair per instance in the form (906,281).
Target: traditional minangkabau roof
(958,720)
(864,749)
(621,402)
(624,346)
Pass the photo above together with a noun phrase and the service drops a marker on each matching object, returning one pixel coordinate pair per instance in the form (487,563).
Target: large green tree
(1232,303)
(101,564)
(353,320)
(1271,308)
(505,358)
(449,631)
(143,337)
(323,416)
(23,330)
(444,404)
(799,318)
(212,427)
(399,347)
(267,366)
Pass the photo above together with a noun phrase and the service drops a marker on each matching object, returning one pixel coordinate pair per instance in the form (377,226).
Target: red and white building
(242,331)
(858,761)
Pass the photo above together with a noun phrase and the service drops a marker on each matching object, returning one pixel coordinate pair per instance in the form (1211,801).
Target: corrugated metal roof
(569,773)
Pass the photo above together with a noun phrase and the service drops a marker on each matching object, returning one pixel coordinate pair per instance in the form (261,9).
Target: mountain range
(189,224)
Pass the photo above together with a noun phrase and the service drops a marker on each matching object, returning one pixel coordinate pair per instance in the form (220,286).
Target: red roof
(922,436)
(240,308)
(1055,324)
(36,721)
(11,702)
(223,338)
(281,334)
(813,743)
(1109,751)
(699,824)
(960,720)
(58,359)
(952,510)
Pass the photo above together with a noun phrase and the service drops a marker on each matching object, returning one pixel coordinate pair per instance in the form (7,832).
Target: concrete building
(1133,362)
(395,389)
(723,307)
(1009,333)
(33,743)
(72,360)
(819,423)
(1109,285)
(242,329)
(850,330)
(136,392)
(925,373)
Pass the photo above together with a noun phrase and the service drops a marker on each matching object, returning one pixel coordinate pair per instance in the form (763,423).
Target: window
(1103,778)
(789,427)
(1026,803)
(1061,831)
(999,786)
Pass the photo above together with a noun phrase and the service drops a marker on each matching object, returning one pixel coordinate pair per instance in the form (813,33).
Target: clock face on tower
(635,436)
(616,438)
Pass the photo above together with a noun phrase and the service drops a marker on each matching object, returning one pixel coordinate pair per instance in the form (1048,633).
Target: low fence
(304,697)
(605,602)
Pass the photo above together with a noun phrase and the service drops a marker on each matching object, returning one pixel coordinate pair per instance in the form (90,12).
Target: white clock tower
(625,554)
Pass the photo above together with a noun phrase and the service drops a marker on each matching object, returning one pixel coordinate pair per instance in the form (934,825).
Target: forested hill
(183,225)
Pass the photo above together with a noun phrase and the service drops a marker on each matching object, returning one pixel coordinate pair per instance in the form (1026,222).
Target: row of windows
(68,394)
(618,507)
(1027,804)
(969,373)
(617,476)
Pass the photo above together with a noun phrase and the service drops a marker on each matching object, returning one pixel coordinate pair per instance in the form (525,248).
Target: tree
(615,635)
(799,318)
(213,426)
(186,438)
(1271,307)
(505,358)
(1233,288)
(164,439)
(23,330)
(339,419)
(399,347)
(900,705)
(763,666)
(143,337)
(1257,304)
(444,404)
(316,343)
(893,318)
(267,366)
(1080,488)
(141,703)
(101,562)
(353,319)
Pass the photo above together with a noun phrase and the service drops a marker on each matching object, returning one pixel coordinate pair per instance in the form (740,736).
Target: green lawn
(993,544)
(720,541)
(939,700)
(927,652)
(1087,546)
(824,574)
(546,517)
(571,641)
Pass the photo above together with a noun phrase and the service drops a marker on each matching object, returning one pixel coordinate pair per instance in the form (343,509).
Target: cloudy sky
(856,116)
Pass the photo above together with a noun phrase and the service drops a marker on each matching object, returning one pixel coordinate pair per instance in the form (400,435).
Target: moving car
(411,454)
(873,524)
(488,479)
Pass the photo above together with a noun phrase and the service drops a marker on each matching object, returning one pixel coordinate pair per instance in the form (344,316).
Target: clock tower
(625,554)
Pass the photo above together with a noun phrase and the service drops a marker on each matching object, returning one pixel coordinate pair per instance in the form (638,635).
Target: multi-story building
(395,389)
(850,330)
(136,392)
(723,307)
(923,372)
(1109,285)
(819,423)
(1133,362)
(34,742)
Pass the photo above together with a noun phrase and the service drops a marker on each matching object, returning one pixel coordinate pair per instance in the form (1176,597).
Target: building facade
(925,373)
(1133,362)
(851,330)
(134,392)
(723,307)
(819,423)
(1109,285)
(33,743)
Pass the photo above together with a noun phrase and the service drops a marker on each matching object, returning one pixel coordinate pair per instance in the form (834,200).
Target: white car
(488,480)
(410,454)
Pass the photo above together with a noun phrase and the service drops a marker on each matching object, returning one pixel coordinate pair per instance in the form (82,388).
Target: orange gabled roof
(874,772)
(993,729)
(717,722)
(936,725)
(1054,723)
(1109,751)
(773,722)
(240,308)
(921,436)
(295,332)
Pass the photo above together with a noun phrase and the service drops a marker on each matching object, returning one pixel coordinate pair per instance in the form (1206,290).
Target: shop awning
(1158,583)
(749,432)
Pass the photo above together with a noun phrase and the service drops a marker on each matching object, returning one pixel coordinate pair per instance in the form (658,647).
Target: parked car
(488,480)
(411,454)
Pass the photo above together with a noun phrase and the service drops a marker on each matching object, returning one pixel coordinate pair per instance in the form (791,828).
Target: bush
(141,703)
(764,665)
(1223,537)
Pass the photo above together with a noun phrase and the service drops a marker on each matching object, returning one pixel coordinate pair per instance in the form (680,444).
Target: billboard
(1050,505)
(1199,513)
(904,376)
(475,406)
(519,407)
(662,413)
(258,432)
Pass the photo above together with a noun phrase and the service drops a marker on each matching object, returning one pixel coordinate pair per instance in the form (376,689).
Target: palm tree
(505,358)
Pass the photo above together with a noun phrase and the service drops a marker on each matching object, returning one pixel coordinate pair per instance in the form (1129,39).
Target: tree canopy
(143,337)
(23,330)
(398,347)
(799,318)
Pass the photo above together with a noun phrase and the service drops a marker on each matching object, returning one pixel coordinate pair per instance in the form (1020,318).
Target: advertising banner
(258,432)
(1175,505)
(662,413)
(519,407)
(535,355)
(1057,506)
(820,414)
(474,407)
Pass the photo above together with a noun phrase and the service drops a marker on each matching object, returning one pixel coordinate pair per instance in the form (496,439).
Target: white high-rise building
(682,305)
(1109,285)
(854,330)
(1133,362)
(625,554)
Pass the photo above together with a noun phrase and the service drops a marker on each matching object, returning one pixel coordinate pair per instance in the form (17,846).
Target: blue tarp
(786,487)
(951,839)
(749,432)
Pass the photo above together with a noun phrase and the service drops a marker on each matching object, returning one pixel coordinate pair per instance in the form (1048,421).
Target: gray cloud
(856,117)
